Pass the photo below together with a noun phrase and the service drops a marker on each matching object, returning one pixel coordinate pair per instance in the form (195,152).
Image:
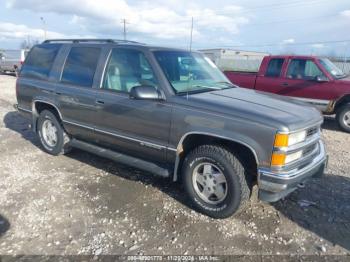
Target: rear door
(75,92)
(270,80)
(136,127)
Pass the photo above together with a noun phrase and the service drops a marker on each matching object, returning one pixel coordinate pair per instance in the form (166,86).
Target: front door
(302,82)
(136,127)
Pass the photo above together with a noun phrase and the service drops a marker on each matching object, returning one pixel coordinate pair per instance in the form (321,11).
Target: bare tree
(28,43)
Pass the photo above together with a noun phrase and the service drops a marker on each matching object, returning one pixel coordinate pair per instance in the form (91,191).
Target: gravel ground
(83,204)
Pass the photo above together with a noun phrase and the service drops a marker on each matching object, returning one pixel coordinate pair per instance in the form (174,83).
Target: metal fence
(344,66)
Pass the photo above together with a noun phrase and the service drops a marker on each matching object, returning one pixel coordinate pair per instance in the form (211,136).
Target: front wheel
(343,118)
(215,181)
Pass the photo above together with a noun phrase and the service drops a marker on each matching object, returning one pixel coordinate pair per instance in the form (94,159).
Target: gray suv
(170,112)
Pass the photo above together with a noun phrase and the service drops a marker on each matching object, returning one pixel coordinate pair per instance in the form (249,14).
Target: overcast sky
(308,26)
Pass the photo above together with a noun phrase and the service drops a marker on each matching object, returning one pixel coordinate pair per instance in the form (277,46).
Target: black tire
(238,187)
(62,144)
(341,115)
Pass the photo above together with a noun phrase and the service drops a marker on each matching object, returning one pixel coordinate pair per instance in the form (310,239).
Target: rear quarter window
(274,67)
(80,66)
(39,61)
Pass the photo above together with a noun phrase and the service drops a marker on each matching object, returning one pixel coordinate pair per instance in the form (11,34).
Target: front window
(332,68)
(303,69)
(127,68)
(190,72)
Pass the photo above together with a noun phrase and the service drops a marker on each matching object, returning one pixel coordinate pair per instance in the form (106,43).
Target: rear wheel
(215,181)
(53,138)
(343,117)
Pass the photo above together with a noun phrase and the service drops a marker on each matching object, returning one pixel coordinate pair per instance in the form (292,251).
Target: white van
(11,60)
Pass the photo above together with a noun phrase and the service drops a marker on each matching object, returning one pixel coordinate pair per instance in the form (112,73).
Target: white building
(235,60)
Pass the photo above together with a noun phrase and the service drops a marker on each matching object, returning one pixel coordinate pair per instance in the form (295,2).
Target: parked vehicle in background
(307,78)
(173,113)
(11,60)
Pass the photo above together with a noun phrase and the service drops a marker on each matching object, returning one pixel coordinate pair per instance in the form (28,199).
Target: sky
(276,26)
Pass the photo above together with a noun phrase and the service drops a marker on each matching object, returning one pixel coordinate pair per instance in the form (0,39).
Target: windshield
(190,72)
(332,68)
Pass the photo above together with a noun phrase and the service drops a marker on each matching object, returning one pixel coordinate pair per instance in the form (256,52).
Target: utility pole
(124,27)
(191,34)
(44,26)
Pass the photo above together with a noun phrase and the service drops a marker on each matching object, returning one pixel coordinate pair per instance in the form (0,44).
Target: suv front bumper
(275,185)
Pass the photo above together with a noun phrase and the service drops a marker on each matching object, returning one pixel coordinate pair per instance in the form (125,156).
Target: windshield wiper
(225,82)
(195,91)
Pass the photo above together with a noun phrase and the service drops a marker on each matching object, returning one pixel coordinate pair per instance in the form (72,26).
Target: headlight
(287,140)
(281,159)
(284,140)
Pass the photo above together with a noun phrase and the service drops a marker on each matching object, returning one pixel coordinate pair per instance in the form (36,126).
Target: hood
(345,80)
(265,108)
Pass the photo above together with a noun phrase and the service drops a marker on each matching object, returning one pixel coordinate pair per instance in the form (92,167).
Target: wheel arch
(38,106)
(341,101)
(191,140)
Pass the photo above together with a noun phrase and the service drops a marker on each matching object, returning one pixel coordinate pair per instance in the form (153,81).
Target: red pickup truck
(308,78)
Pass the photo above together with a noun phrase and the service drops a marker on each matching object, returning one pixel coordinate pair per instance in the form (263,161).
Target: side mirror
(321,78)
(145,93)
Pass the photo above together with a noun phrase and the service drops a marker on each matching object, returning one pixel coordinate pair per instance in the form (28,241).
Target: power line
(290,44)
(290,20)
(226,12)
(272,6)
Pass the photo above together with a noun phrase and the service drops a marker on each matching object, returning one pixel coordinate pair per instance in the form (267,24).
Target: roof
(110,41)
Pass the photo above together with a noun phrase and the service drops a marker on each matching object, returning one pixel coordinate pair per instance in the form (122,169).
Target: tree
(28,43)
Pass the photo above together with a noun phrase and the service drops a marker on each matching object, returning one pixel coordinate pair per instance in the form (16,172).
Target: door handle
(100,102)
(285,84)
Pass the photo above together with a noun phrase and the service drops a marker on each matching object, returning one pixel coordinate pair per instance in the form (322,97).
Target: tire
(56,146)
(223,162)
(343,117)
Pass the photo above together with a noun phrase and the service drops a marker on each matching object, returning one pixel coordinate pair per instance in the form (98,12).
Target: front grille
(308,150)
(311,131)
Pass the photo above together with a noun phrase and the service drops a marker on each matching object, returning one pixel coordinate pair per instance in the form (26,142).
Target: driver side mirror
(321,78)
(145,93)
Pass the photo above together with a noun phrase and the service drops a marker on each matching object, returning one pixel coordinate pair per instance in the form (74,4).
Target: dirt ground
(83,204)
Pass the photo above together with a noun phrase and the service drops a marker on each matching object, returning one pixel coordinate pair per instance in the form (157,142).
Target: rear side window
(80,66)
(39,61)
(275,67)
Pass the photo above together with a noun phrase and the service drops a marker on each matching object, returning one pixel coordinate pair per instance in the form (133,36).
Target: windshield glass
(190,72)
(332,68)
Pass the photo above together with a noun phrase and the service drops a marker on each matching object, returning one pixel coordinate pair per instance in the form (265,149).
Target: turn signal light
(278,159)
(281,140)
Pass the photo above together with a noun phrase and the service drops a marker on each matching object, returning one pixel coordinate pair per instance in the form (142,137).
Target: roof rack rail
(89,41)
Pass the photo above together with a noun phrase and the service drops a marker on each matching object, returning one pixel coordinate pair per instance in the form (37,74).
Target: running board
(120,158)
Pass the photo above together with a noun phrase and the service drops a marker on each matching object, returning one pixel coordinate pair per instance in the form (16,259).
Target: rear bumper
(275,185)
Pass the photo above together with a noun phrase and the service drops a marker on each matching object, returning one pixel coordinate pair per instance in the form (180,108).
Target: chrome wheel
(209,183)
(346,119)
(49,133)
